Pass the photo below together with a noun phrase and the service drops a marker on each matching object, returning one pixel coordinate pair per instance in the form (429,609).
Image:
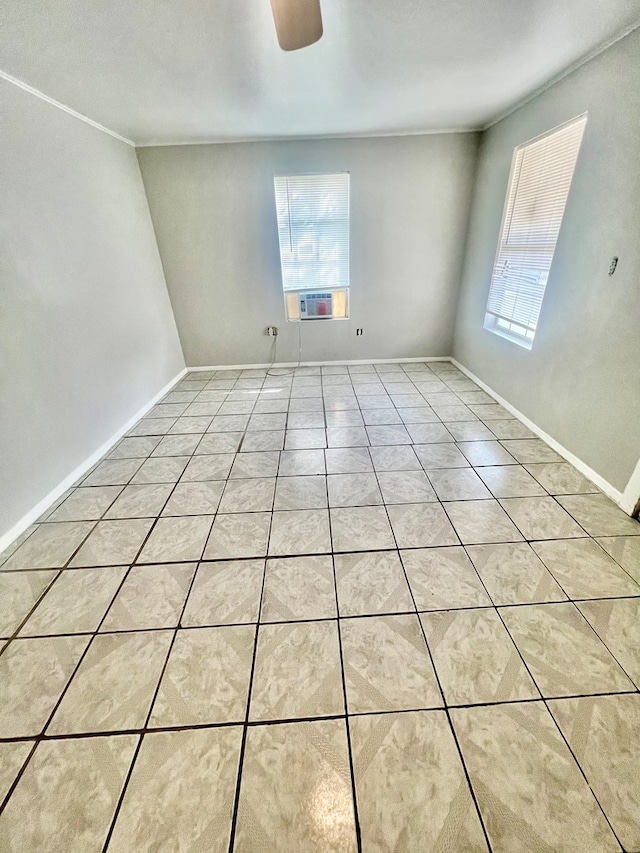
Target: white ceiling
(163,71)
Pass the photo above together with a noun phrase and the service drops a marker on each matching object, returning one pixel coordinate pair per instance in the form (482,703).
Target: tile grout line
(245,727)
(152,702)
(354,792)
(544,701)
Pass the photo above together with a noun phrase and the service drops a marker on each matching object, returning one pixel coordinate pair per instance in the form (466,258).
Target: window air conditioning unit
(316,306)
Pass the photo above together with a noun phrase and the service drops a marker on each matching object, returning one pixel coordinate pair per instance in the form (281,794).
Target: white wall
(87,336)
(214,216)
(581,381)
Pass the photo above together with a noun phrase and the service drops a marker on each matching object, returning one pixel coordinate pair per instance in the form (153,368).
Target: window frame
(506,327)
(341,291)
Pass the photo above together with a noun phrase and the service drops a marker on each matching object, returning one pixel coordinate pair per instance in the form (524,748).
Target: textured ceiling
(163,71)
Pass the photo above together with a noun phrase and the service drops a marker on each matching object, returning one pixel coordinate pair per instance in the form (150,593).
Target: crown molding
(65,109)
(562,74)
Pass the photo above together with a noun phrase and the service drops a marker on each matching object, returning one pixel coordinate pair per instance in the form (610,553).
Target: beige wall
(214,216)
(581,381)
(87,336)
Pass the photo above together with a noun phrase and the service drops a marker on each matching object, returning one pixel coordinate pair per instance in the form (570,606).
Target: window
(313,230)
(541,173)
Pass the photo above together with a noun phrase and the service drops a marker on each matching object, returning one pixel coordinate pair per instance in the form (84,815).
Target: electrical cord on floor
(275,350)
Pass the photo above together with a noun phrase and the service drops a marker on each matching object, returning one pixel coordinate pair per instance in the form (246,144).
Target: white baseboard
(588,472)
(631,494)
(35,512)
(279,364)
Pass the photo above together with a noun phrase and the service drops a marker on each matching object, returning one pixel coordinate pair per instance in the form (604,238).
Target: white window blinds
(313,229)
(541,174)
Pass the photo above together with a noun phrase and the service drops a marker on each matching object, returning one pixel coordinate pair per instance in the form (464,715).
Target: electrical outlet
(358,332)
(272,331)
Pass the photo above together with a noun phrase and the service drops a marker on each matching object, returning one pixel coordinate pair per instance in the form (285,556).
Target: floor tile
(158,813)
(443,579)
(112,472)
(388,435)
(625,550)
(353,490)
(602,733)
(394,458)
(514,574)
(229,423)
(564,655)
(261,464)
(530,450)
(458,484)
(405,761)
(297,672)
(560,478)
(207,677)
(220,442)
(482,453)
(405,487)
(273,421)
(480,522)
(305,420)
(386,665)
(251,495)
(617,623)
(305,439)
(12,756)
(353,436)
(19,592)
(599,516)
(433,456)
(475,659)
(302,769)
(76,602)
(510,481)
(33,674)
(150,597)
(421,525)
(381,417)
(238,535)
(304,492)
(531,793)
(113,542)
(194,498)
(361,529)
(69,790)
(510,429)
(262,441)
(86,504)
(469,431)
(225,593)
(214,467)
(140,501)
(348,460)
(177,445)
(371,582)
(114,685)
(299,588)
(50,546)
(541,518)
(584,569)
(190,425)
(176,539)
(301,462)
(152,426)
(161,469)
(299,532)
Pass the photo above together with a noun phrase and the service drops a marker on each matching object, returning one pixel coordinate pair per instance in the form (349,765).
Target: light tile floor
(329,609)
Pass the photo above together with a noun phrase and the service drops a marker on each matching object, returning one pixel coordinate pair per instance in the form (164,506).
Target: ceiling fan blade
(298,22)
